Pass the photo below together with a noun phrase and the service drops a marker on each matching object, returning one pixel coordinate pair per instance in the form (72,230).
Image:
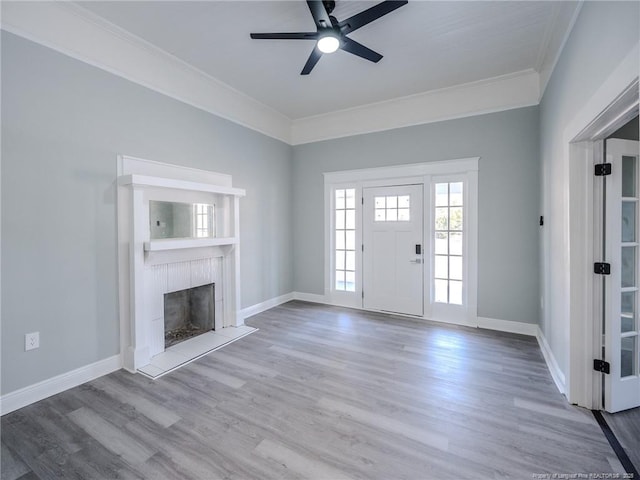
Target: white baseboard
(52,386)
(310,297)
(266,305)
(552,364)
(522,328)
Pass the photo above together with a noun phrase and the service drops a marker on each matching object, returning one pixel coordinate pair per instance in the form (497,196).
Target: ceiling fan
(331,34)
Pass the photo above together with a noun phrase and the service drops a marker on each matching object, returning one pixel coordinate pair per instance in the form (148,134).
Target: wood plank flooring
(626,427)
(320,393)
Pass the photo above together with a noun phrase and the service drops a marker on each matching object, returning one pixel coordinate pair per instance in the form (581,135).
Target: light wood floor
(321,393)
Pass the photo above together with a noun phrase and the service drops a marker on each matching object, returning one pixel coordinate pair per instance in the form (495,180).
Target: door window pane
(340,259)
(628,312)
(455,268)
(442,194)
(392,214)
(392,208)
(350,198)
(455,193)
(455,218)
(440,267)
(350,261)
(455,243)
(350,281)
(441,293)
(351,240)
(351,220)
(441,243)
(442,218)
(392,202)
(455,292)
(629,176)
(628,356)
(628,261)
(628,221)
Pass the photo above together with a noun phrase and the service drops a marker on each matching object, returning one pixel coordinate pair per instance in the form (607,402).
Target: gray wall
(63,123)
(509,187)
(587,60)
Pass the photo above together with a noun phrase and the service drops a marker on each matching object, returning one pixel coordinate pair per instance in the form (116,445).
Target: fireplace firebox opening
(188,313)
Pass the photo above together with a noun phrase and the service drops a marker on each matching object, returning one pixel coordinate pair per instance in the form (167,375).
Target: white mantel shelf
(136,180)
(179,243)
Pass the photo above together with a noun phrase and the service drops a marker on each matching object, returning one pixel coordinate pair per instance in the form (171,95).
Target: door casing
(609,109)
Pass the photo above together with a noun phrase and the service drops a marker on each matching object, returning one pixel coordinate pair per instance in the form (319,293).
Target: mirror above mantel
(181,220)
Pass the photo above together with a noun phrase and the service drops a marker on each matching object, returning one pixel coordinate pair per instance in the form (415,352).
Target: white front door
(622,302)
(393,249)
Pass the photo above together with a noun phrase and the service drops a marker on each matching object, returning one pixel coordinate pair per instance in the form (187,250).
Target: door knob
(417,260)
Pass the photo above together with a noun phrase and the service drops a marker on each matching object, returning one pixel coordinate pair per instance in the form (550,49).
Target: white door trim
(608,109)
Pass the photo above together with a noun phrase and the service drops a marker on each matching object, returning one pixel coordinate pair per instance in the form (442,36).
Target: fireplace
(152,266)
(188,313)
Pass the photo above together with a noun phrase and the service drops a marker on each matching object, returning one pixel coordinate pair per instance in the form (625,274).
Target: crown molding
(520,89)
(67,28)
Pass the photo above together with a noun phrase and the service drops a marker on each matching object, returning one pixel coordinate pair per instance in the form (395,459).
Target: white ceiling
(427,45)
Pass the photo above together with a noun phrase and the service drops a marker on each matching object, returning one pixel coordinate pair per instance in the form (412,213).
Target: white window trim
(465,169)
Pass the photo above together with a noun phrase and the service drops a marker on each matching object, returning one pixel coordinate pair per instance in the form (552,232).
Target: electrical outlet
(31,341)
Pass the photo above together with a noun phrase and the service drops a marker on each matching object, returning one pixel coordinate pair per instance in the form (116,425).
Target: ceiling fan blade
(369,15)
(319,14)
(311,62)
(360,50)
(285,36)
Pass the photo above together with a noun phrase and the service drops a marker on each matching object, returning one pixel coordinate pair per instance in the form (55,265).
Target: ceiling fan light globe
(328,44)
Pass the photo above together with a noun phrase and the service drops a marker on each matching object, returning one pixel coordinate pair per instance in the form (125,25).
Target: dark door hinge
(602,268)
(362,293)
(601,366)
(602,169)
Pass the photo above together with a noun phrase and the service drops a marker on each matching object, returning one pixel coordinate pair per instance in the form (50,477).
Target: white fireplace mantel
(179,243)
(148,268)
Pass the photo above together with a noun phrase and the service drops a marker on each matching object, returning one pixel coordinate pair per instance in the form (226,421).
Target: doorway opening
(588,246)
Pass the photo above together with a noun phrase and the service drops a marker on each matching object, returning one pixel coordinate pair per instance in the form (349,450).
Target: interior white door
(621,237)
(393,249)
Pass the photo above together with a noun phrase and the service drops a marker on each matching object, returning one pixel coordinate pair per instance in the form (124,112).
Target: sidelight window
(448,265)
(345,239)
